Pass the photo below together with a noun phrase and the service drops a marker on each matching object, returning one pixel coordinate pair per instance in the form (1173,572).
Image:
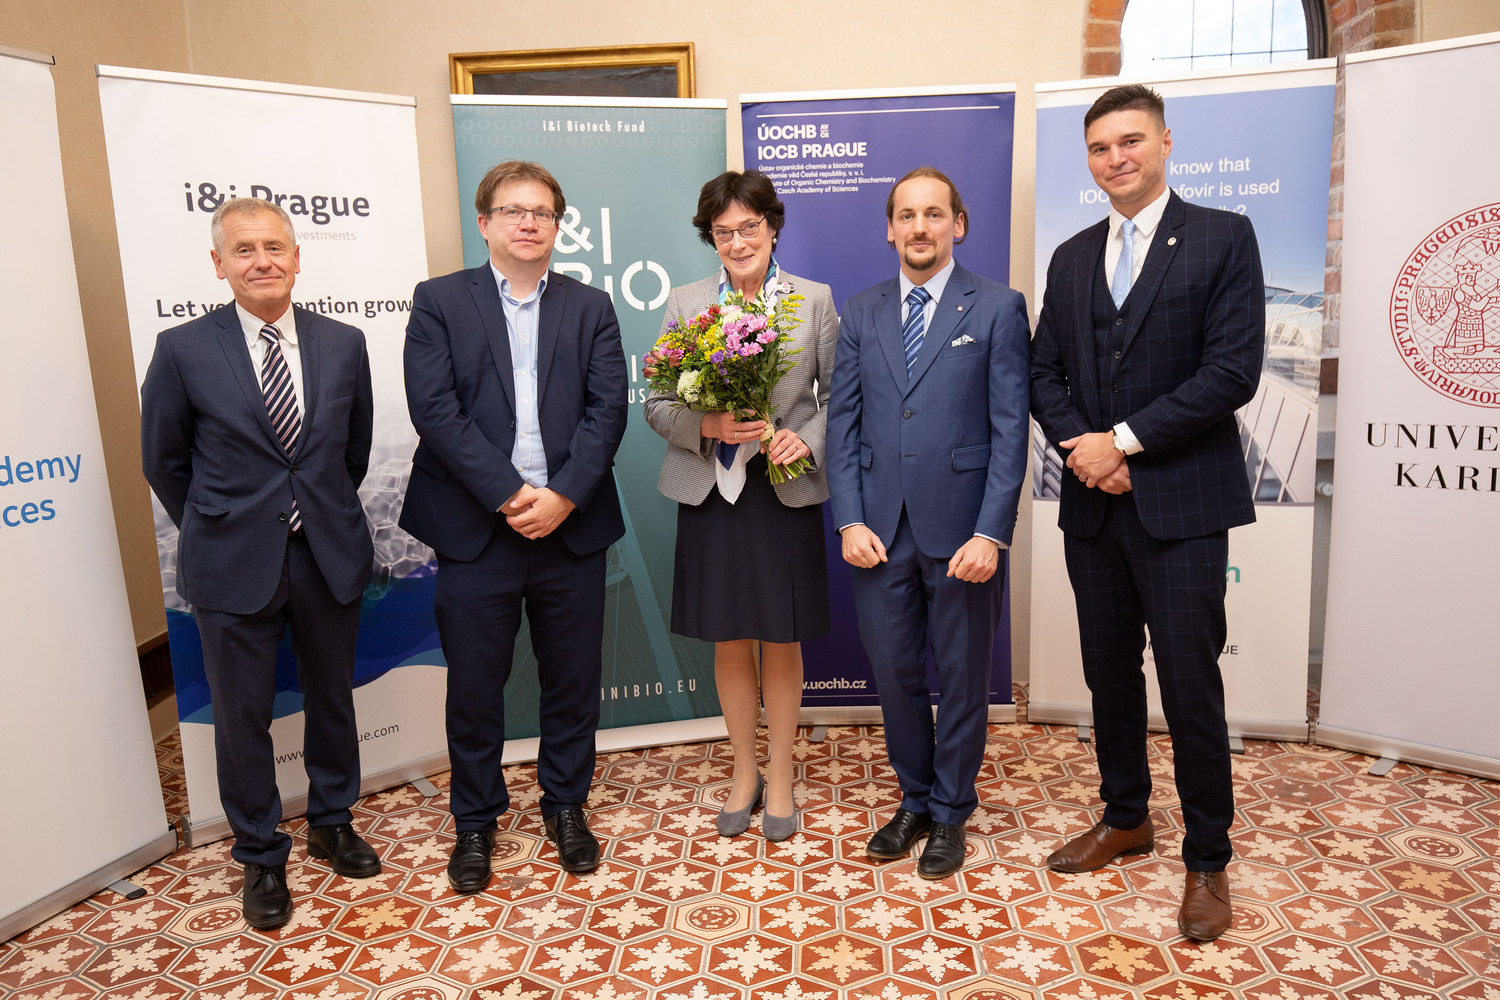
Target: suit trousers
(478,607)
(904,605)
(1126,581)
(239,658)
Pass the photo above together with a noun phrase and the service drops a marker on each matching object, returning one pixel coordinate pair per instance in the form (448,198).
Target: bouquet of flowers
(730,357)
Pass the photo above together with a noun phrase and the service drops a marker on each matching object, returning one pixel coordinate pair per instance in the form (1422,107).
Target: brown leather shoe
(1205,912)
(1101,845)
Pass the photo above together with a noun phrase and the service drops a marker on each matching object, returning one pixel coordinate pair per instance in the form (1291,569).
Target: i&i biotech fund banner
(834,156)
(1410,666)
(344,166)
(74,736)
(630,170)
(1258,143)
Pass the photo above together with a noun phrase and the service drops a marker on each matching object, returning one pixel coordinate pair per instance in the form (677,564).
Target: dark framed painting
(664,70)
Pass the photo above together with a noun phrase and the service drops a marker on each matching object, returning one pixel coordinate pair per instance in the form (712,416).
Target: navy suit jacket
(461,393)
(1193,343)
(950,441)
(213,459)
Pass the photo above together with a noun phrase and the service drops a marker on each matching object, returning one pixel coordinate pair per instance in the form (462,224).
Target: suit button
(281,516)
(1117,354)
(906,414)
(1119,321)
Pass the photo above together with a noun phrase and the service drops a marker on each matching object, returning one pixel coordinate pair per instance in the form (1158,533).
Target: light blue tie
(912,330)
(1120,287)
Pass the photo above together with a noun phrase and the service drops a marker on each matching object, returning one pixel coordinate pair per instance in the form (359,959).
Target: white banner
(1277,174)
(1409,668)
(344,165)
(74,737)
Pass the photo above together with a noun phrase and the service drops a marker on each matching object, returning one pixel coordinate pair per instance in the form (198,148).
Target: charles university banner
(1256,142)
(834,156)
(631,169)
(344,166)
(1409,666)
(75,736)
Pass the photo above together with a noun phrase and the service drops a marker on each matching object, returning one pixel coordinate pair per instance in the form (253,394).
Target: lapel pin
(1172,241)
(960,308)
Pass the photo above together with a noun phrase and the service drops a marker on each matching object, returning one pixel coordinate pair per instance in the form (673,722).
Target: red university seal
(1445,308)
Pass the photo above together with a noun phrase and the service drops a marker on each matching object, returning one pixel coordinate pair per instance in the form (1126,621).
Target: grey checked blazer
(800,398)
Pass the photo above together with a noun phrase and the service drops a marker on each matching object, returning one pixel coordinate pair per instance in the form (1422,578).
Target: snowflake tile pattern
(1347,887)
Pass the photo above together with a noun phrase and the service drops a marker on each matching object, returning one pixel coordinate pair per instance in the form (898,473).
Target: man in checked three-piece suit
(927,442)
(255,436)
(1150,338)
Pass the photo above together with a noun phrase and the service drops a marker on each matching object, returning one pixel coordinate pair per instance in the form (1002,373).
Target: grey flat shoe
(732,824)
(778,828)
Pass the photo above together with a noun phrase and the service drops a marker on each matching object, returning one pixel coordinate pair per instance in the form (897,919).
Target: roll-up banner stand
(834,157)
(1410,668)
(344,166)
(630,169)
(1256,142)
(74,735)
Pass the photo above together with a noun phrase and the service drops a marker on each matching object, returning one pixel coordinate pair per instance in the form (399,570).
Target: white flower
(688,385)
(730,313)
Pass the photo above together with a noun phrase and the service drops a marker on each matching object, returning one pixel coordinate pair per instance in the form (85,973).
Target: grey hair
(246,206)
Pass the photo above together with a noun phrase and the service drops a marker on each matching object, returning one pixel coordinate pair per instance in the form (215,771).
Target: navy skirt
(753,569)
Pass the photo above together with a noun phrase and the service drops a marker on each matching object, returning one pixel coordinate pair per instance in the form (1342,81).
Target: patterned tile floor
(1347,886)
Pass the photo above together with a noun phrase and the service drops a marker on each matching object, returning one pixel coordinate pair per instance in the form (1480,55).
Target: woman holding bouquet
(750,555)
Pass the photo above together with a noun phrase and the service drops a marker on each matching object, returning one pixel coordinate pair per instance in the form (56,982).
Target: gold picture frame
(659,70)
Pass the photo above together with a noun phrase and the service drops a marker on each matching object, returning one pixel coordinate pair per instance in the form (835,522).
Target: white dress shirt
(287,326)
(1146,221)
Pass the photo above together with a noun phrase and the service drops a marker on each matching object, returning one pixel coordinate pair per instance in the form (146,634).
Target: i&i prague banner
(344,166)
(630,169)
(1257,142)
(74,734)
(1409,669)
(834,157)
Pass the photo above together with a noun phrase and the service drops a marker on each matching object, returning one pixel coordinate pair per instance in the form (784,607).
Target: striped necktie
(281,402)
(912,331)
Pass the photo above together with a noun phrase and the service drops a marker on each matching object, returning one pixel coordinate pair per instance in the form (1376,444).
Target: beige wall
(401,47)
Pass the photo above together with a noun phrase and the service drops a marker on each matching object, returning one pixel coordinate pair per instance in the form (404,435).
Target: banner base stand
(1239,729)
(126,888)
(82,888)
(425,787)
(1409,753)
(1382,767)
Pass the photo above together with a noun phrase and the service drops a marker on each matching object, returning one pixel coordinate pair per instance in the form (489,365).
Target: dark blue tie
(281,402)
(912,331)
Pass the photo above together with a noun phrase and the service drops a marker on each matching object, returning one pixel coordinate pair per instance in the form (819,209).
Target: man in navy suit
(927,448)
(515,378)
(255,435)
(1150,337)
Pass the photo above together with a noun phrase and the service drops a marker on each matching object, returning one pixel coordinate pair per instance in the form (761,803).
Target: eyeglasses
(512,216)
(746,231)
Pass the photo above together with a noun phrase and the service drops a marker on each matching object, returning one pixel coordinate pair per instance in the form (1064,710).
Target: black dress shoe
(469,864)
(944,853)
(577,849)
(267,901)
(344,850)
(894,840)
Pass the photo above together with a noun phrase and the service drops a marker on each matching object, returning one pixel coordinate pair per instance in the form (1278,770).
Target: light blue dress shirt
(522,319)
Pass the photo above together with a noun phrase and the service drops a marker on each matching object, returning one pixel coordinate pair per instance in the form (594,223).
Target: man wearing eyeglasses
(516,383)
(255,435)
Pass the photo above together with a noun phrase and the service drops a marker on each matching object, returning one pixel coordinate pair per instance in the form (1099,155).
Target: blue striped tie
(912,330)
(281,402)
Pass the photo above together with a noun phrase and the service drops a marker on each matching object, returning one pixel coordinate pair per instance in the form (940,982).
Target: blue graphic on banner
(1276,177)
(834,163)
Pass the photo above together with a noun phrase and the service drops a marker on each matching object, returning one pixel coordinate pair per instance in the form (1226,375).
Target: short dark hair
(955,200)
(517,170)
(1129,97)
(752,189)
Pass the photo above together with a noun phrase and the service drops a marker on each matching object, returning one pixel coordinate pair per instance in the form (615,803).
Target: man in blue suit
(1150,337)
(255,435)
(927,448)
(515,378)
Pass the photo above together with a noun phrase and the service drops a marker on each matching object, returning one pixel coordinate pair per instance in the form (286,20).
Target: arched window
(1166,36)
